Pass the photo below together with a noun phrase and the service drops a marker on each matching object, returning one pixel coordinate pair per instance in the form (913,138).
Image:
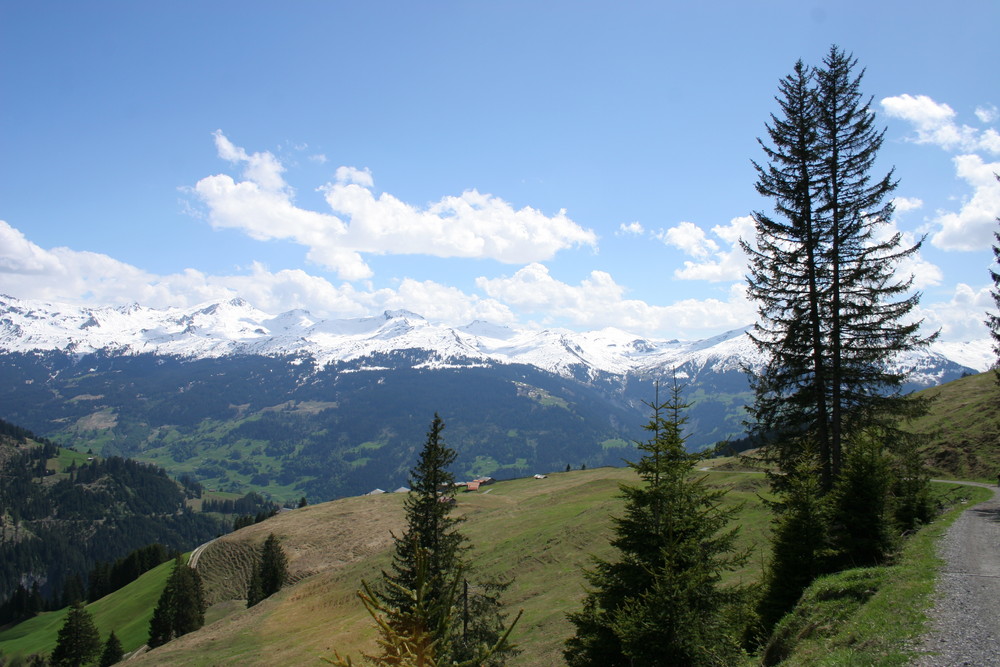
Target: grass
(541,533)
(126,611)
(871,616)
(963,428)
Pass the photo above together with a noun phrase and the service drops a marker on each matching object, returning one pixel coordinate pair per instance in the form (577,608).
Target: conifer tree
(432,541)
(113,652)
(429,528)
(660,602)
(181,607)
(270,572)
(273,566)
(417,637)
(833,315)
(799,545)
(78,642)
(255,592)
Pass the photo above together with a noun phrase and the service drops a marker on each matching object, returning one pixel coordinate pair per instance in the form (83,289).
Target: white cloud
(262,168)
(690,238)
(631,229)
(935,124)
(907,204)
(717,264)
(972,226)
(362,177)
(64,275)
(18,255)
(987,114)
(961,316)
(598,301)
(471,225)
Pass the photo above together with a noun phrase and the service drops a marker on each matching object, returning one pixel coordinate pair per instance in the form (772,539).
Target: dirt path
(965,619)
(196,554)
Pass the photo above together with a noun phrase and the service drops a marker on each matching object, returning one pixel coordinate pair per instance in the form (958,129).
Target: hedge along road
(965,619)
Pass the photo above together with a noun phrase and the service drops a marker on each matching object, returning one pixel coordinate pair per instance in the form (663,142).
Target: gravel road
(965,619)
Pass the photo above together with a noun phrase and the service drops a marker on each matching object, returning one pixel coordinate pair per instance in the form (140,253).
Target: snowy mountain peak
(236,327)
(401,314)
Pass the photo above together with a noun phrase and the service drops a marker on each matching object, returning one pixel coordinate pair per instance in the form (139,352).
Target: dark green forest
(61,524)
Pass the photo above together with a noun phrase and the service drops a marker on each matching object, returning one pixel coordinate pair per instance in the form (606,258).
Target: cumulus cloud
(690,238)
(971,227)
(598,301)
(713,262)
(631,229)
(65,275)
(987,114)
(362,177)
(934,123)
(960,315)
(907,204)
(472,224)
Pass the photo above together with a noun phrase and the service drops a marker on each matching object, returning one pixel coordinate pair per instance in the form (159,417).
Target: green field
(540,533)
(126,611)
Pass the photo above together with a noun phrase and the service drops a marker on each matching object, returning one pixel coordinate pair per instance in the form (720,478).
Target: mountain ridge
(293,405)
(235,327)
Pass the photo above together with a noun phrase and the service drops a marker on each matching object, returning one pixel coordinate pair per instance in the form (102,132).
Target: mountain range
(232,394)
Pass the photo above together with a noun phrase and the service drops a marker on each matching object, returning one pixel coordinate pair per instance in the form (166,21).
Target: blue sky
(574,164)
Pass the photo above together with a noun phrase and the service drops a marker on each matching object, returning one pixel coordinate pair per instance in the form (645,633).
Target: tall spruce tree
(430,556)
(788,281)
(833,314)
(660,601)
(78,642)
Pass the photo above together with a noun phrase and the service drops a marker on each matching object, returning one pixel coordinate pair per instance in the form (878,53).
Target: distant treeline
(251,503)
(104,579)
(107,578)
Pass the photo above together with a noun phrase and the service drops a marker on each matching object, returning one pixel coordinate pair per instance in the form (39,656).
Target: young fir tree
(273,566)
(799,545)
(113,652)
(660,601)
(414,638)
(181,607)
(432,536)
(270,573)
(255,592)
(78,642)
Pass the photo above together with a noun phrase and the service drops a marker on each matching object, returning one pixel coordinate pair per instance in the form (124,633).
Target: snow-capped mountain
(237,328)
(295,404)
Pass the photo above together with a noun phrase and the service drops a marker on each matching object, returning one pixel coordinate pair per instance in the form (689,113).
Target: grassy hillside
(872,615)
(541,532)
(126,611)
(963,428)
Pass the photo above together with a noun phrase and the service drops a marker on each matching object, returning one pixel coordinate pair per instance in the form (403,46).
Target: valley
(292,406)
